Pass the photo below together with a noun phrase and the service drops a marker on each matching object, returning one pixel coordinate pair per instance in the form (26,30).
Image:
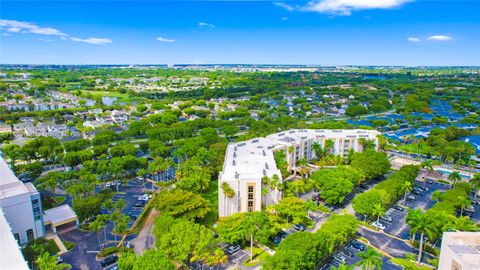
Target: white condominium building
(10,254)
(460,251)
(22,206)
(247,162)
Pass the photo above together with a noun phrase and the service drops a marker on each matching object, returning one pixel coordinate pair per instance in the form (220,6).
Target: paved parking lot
(386,264)
(83,255)
(398,227)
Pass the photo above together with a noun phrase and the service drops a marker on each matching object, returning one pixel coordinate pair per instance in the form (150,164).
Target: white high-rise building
(22,206)
(247,162)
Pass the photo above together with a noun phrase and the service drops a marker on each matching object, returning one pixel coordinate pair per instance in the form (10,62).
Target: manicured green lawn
(259,255)
(416,148)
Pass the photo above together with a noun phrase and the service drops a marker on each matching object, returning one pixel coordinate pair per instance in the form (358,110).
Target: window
(29,235)
(250,199)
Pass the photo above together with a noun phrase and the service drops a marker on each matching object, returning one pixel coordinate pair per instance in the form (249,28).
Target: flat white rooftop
(298,135)
(253,159)
(249,159)
(59,215)
(466,245)
(9,184)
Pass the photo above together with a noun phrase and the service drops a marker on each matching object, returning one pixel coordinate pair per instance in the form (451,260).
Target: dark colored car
(358,246)
(109,260)
(398,208)
(417,192)
(348,252)
(140,203)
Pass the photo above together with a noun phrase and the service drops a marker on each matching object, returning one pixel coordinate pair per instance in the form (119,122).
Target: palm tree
(366,144)
(47,262)
(463,203)
(317,148)
(412,219)
(475,183)
(96,226)
(274,185)
(406,187)
(228,192)
(454,177)
(121,225)
(427,164)
(329,146)
(141,173)
(464,224)
(377,211)
(425,225)
(370,259)
(264,191)
(436,195)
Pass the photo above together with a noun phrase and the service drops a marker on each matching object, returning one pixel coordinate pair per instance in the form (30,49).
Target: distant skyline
(320,32)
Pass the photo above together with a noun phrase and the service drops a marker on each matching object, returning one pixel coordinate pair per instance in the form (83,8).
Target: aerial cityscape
(207,135)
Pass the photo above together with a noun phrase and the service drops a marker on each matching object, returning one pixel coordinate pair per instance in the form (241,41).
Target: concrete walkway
(60,244)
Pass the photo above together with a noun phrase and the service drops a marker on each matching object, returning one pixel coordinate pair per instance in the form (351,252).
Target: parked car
(470,208)
(299,227)
(378,225)
(348,253)
(398,208)
(411,198)
(340,257)
(336,263)
(145,197)
(357,246)
(232,249)
(59,259)
(387,219)
(417,192)
(109,260)
(430,181)
(140,203)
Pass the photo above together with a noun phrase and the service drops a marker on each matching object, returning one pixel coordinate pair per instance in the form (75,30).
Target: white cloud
(162,39)
(13,26)
(284,19)
(343,7)
(439,38)
(205,25)
(92,40)
(413,39)
(285,6)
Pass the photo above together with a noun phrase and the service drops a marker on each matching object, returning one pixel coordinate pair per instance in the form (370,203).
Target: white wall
(19,214)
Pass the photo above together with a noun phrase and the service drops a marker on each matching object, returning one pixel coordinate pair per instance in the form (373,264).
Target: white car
(145,197)
(378,225)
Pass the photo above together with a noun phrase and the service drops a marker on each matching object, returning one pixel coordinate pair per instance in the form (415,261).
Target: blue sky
(325,32)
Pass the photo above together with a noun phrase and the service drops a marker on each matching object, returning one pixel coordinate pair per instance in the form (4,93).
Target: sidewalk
(60,244)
